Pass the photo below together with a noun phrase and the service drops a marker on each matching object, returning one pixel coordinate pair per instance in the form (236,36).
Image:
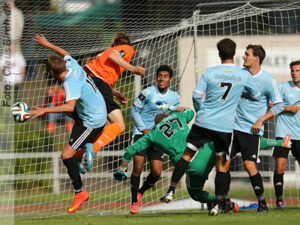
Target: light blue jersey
(287,122)
(90,104)
(249,111)
(223,86)
(145,109)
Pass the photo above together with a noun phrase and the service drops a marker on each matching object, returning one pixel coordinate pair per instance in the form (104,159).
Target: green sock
(266,143)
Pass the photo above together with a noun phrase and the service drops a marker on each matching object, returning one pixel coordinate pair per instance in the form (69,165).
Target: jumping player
(105,70)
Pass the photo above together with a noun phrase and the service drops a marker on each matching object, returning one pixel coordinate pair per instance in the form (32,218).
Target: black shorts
(247,144)
(81,135)
(198,136)
(281,152)
(106,91)
(152,153)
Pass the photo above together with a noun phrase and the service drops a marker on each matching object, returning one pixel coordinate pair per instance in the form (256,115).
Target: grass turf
(289,216)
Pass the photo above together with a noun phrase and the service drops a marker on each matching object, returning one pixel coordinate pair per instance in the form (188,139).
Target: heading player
(105,69)
(85,103)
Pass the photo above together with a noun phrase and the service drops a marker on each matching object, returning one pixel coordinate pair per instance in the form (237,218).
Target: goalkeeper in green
(169,135)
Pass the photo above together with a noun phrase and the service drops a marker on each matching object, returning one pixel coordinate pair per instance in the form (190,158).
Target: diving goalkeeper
(169,135)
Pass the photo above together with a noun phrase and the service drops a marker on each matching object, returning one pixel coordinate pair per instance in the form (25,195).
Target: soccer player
(288,122)
(143,111)
(223,86)
(87,106)
(250,116)
(105,70)
(169,136)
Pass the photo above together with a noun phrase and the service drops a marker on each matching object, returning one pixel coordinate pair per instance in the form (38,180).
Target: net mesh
(33,179)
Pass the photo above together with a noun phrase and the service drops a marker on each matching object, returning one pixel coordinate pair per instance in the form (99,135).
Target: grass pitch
(290,216)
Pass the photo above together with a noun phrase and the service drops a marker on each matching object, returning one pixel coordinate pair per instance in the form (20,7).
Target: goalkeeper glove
(120,173)
(163,105)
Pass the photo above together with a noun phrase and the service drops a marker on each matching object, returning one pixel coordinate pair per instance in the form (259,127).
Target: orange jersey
(106,69)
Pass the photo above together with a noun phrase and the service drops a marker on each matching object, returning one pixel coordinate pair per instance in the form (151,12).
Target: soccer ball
(19,112)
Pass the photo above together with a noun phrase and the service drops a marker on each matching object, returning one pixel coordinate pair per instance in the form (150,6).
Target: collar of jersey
(259,73)
(69,72)
(227,64)
(160,92)
(298,89)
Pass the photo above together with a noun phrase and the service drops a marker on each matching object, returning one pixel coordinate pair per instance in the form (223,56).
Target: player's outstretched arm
(163,105)
(41,40)
(68,107)
(116,58)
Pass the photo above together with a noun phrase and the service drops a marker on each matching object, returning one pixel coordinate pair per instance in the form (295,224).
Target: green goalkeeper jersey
(169,136)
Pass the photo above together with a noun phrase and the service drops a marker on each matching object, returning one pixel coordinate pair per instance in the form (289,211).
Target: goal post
(33,179)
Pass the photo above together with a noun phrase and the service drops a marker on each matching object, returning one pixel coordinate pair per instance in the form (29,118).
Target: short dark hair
(164,68)
(293,63)
(226,48)
(259,51)
(159,117)
(57,64)
(120,39)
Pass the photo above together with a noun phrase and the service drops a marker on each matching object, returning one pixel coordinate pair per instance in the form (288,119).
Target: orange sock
(80,153)
(109,134)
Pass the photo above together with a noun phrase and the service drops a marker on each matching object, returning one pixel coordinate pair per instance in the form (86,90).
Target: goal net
(33,179)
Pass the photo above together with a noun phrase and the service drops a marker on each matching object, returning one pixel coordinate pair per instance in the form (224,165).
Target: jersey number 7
(228,87)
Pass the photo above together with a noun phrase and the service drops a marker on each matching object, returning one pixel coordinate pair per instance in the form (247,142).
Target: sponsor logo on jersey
(227,70)
(141,97)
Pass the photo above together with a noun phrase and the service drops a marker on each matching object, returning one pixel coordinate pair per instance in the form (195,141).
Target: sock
(180,168)
(266,143)
(149,183)
(135,183)
(80,153)
(73,171)
(221,182)
(108,135)
(258,186)
(227,187)
(278,185)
